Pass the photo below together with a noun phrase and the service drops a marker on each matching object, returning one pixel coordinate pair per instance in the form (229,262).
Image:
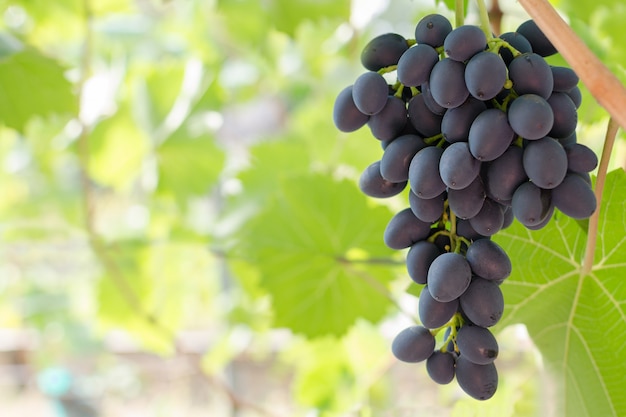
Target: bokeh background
(181,233)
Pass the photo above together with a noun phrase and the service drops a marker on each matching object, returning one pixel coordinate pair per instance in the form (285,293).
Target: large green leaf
(577,320)
(313,244)
(30,85)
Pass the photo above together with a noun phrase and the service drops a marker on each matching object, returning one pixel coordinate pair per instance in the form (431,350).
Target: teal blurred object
(60,386)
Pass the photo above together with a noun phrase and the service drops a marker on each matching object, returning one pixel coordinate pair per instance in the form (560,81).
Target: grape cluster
(483,131)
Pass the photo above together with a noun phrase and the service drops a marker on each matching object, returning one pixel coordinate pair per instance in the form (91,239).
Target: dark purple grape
(574,197)
(422,118)
(428,210)
(404,229)
(457,167)
(477,344)
(531,74)
(413,344)
(383,51)
(576,96)
(482,302)
(531,116)
(434,314)
(370,92)
(488,260)
(419,258)
(505,174)
(430,102)
(346,115)
(464,42)
(465,229)
(485,75)
(489,219)
(390,121)
(456,122)
(538,40)
(447,83)
(531,204)
(543,223)
(468,202)
(373,184)
(394,165)
(424,173)
(580,158)
(564,79)
(565,115)
(448,277)
(490,135)
(415,65)
(517,41)
(545,162)
(478,381)
(440,367)
(432,30)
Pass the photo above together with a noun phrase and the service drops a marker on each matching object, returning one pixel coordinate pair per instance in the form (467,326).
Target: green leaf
(578,321)
(117,149)
(32,85)
(312,243)
(188,164)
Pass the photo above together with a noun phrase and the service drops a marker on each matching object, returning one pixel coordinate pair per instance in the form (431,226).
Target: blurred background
(181,233)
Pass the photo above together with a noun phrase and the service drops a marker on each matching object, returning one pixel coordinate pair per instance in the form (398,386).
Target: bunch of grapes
(483,130)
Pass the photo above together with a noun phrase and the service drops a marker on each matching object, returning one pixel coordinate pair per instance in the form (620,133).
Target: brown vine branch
(592,231)
(601,82)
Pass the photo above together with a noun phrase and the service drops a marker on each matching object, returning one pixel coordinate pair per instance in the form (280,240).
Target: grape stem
(601,82)
(459,13)
(592,231)
(484,19)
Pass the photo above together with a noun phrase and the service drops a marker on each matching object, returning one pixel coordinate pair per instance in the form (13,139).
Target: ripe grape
(394,165)
(464,42)
(413,344)
(488,260)
(370,93)
(580,158)
(404,229)
(428,210)
(485,75)
(415,65)
(531,74)
(545,162)
(517,41)
(482,302)
(478,381)
(383,51)
(574,197)
(531,116)
(531,204)
(373,184)
(455,124)
(489,219)
(505,174)
(424,177)
(466,203)
(457,167)
(346,115)
(565,116)
(564,79)
(432,30)
(538,40)
(477,344)
(447,83)
(419,258)
(440,367)
(434,314)
(422,118)
(389,122)
(490,135)
(448,276)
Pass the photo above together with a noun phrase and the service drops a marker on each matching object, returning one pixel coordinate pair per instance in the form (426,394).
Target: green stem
(592,231)
(484,19)
(459,13)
